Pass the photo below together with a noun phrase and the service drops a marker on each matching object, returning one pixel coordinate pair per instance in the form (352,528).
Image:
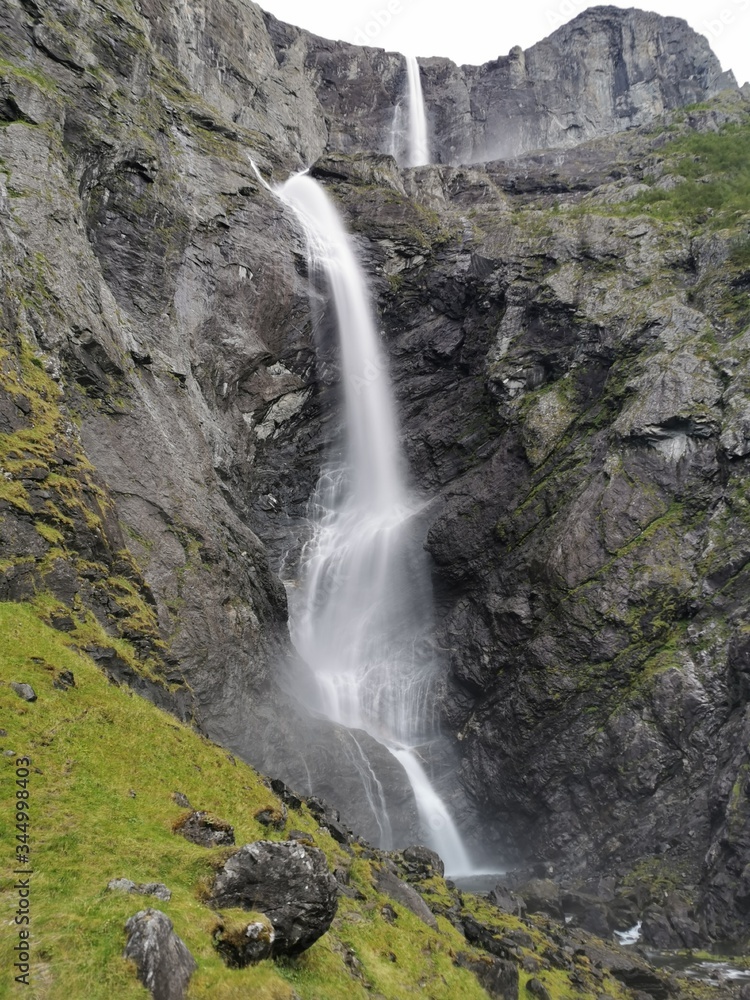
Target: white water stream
(419,145)
(363,617)
(410,143)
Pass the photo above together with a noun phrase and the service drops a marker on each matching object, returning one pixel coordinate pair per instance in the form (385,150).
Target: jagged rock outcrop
(606,71)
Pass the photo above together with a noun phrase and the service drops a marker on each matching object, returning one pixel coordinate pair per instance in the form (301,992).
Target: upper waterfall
(419,144)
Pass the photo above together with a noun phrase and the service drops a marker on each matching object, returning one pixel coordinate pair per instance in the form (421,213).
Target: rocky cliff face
(571,370)
(568,339)
(606,71)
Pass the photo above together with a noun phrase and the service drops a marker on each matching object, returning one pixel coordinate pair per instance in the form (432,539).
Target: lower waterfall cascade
(361,617)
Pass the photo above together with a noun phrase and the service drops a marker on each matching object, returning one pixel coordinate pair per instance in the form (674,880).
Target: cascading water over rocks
(362,617)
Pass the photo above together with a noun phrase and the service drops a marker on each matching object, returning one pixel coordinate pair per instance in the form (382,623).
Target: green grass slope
(104,766)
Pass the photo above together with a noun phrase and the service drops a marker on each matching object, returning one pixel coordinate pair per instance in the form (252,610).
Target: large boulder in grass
(162,959)
(287,881)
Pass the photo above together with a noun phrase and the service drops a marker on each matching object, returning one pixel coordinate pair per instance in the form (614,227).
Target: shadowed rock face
(570,379)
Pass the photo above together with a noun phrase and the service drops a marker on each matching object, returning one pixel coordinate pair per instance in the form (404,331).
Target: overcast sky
(475,31)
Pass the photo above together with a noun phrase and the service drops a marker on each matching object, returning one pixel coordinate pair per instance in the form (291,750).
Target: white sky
(475,31)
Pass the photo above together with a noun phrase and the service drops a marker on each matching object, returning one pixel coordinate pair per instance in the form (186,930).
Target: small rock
(543,896)
(246,944)
(302,837)
(390,885)
(121,885)
(537,989)
(3,732)
(339,833)
(273,816)
(63,623)
(162,959)
(132,794)
(484,937)
(426,861)
(342,877)
(507,901)
(38,474)
(388,913)
(285,794)
(181,800)
(25,691)
(521,938)
(157,889)
(64,680)
(497,977)
(320,809)
(330,819)
(206,830)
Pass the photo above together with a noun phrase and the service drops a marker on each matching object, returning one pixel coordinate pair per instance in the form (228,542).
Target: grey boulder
(162,959)
(157,889)
(287,881)
(25,691)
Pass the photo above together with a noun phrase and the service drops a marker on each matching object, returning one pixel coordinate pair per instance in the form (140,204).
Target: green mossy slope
(105,764)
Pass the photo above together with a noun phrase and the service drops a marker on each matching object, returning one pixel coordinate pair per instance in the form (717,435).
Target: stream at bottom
(710,971)
(702,967)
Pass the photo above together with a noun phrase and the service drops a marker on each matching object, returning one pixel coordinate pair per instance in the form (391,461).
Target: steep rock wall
(572,379)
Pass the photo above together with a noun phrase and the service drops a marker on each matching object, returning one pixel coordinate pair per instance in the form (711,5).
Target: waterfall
(419,146)
(362,617)
(409,142)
